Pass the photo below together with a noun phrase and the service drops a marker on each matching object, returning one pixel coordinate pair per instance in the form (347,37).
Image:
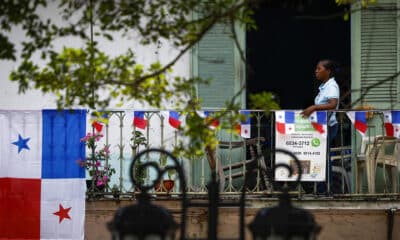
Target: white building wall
(10,99)
(34,99)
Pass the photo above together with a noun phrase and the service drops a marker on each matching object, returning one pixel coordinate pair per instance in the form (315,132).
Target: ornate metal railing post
(283,221)
(145,219)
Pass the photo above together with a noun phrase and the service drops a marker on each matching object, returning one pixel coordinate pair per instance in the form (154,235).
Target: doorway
(283,52)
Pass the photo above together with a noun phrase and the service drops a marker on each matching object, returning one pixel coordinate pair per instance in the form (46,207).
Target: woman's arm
(332,103)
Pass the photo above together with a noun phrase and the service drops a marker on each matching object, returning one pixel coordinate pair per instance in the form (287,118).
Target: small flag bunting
(97,125)
(244,128)
(138,120)
(318,121)
(99,120)
(392,123)
(284,121)
(207,115)
(173,119)
(359,120)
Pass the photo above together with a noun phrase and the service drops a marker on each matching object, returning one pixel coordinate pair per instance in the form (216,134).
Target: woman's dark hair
(330,65)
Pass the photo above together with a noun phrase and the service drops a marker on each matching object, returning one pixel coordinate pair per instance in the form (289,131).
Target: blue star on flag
(21,143)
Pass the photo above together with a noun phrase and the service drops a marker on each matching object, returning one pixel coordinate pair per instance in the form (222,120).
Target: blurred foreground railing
(351,176)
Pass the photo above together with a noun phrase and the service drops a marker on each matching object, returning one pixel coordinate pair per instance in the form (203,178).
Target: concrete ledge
(339,218)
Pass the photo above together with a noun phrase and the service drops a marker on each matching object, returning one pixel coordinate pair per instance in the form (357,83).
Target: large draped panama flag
(359,120)
(284,121)
(42,188)
(392,123)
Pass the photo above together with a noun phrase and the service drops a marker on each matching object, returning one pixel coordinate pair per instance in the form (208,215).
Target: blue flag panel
(61,148)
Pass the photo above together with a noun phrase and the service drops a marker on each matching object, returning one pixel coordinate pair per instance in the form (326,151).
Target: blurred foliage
(364,3)
(83,76)
(263,101)
(89,77)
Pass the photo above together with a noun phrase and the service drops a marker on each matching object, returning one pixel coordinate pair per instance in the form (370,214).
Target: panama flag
(173,119)
(98,121)
(138,119)
(284,121)
(392,123)
(318,121)
(42,188)
(245,124)
(213,122)
(359,120)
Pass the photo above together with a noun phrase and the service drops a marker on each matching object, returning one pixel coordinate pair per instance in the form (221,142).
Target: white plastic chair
(365,165)
(386,153)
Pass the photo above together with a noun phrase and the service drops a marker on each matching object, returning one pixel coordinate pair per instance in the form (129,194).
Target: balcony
(344,209)
(352,171)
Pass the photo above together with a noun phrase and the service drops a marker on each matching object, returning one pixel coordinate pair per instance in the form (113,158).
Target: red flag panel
(19,208)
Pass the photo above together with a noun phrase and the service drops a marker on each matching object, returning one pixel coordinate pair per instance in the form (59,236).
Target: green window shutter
(379,54)
(216,58)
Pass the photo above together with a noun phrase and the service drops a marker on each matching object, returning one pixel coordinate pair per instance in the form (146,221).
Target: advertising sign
(306,138)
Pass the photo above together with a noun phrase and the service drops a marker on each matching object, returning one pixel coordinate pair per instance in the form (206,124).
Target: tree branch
(200,35)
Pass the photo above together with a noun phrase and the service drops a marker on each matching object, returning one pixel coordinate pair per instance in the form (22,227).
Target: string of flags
(243,128)
(284,121)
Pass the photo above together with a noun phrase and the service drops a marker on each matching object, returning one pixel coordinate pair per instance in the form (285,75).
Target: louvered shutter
(216,59)
(379,54)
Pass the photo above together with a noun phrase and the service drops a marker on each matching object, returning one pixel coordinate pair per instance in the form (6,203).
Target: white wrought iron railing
(234,153)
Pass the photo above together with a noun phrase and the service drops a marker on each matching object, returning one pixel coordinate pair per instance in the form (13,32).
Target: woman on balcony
(328,96)
(327,99)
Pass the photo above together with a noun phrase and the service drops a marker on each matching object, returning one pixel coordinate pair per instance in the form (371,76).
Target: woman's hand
(307,112)
(332,102)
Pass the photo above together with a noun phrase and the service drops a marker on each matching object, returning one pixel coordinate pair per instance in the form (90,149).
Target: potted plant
(138,139)
(167,184)
(115,191)
(96,163)
(170,182)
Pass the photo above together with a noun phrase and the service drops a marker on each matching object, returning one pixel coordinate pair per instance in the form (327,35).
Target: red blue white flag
(98,126)
(210,120)
(392,123)
(318,120)
(138,120)
(42,188)
(244,127)
(359,120)
(98,121)
(173,119)
(284,121)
